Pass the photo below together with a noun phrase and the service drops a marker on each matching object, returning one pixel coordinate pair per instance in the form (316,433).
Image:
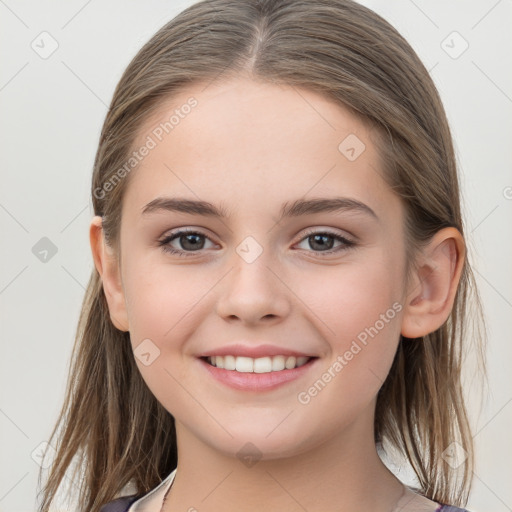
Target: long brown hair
(110,420)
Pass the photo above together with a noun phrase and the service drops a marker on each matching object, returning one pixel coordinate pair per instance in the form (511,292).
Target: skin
(250,147)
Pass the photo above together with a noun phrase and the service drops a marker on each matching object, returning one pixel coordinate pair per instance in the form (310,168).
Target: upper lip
(254,351)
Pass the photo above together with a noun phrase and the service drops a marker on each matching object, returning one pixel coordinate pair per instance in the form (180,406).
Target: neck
(343,473)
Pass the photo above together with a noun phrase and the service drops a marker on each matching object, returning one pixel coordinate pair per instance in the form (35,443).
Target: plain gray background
(52,109)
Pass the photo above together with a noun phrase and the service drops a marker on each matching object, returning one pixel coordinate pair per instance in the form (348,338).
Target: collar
(154,498)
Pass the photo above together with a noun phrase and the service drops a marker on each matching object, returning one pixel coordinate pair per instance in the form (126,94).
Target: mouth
(257,365)
(259,374)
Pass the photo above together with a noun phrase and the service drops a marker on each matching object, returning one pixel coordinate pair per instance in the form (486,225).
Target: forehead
(251,143)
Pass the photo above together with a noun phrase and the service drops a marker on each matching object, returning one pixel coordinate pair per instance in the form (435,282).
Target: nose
(254,292)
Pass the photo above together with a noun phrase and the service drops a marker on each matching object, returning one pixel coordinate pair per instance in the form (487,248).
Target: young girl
(281,280)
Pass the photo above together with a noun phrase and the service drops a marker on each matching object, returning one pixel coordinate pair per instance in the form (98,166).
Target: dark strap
(120,504)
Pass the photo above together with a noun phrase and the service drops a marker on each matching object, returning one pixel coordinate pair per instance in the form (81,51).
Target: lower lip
(248,381)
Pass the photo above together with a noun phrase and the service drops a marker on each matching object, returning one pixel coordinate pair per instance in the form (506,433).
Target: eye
(189,240)
(323,241)
(194,241)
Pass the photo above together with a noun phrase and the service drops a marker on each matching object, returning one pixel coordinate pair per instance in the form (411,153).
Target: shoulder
(120,504)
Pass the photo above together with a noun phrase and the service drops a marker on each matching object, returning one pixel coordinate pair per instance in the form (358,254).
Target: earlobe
(431,293)
(106,264)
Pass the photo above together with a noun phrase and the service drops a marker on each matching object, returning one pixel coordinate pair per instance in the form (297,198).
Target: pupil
(322,246)
(194,245)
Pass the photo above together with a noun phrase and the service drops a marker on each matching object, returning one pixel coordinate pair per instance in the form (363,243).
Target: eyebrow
(296,209)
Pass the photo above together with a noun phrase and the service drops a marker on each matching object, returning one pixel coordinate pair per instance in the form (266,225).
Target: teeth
(260,365)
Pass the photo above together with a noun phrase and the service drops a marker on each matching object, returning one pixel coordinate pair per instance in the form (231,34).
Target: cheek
(160,304)
(349,298)
(165,304)
(159,298)
(360,312)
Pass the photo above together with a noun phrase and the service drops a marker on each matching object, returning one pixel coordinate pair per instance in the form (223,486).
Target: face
(322,282)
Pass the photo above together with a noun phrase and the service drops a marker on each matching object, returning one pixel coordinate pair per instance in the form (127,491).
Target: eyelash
(168,239)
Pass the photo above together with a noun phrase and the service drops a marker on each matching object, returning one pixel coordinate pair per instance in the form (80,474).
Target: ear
(434,284)
(106,264)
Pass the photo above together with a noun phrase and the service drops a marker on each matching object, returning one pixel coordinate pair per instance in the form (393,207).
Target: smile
(259,365)
(260,374)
